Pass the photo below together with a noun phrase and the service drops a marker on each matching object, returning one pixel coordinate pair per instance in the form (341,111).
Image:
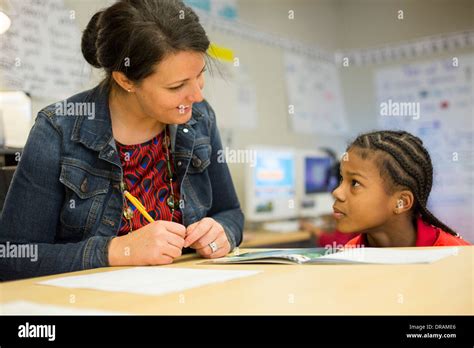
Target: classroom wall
(328,24)
(314,23)
(421,19)
(332,25)
(366,23)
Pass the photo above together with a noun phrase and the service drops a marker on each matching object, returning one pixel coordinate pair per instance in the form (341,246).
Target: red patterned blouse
(146,178)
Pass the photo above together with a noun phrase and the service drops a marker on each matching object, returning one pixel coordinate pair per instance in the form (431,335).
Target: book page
(390,256)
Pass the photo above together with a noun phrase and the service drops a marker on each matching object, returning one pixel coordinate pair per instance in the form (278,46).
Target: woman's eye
(181,86)
(176,88)
(355,183)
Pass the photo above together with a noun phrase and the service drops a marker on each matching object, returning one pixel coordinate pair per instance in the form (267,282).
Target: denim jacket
(65,198)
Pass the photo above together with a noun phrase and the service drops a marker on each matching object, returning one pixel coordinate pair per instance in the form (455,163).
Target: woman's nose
(196,95)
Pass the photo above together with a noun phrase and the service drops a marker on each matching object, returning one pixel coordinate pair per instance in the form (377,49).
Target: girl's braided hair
(404,163)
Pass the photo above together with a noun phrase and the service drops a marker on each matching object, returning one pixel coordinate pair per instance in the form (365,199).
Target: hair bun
(89,39)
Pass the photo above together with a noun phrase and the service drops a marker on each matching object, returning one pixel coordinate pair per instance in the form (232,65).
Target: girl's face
(169,93)
(361,205)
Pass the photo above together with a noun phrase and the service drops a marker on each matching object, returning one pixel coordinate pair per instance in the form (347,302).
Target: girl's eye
(355,183)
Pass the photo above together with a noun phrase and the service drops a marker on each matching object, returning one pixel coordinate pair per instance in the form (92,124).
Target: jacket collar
(96,133)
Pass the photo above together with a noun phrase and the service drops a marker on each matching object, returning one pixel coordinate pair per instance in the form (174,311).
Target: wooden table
(444,287)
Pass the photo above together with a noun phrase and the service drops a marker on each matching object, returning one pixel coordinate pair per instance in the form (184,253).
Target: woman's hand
(157,243)
(204,232)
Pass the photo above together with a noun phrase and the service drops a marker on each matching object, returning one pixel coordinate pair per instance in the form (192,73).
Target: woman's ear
(123,81)
(405,201)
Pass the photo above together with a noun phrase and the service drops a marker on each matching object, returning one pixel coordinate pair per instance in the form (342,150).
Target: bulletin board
(444,89)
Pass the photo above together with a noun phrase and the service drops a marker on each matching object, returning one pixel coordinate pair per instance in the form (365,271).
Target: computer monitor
(316,170)
(270,185)
(316,174)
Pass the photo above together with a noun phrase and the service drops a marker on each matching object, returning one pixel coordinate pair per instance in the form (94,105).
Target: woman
(151,134)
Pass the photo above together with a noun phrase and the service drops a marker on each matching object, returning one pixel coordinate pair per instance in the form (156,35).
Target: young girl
(386,180)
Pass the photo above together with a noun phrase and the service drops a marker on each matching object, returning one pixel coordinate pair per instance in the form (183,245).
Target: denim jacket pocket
(201,156)
(198,187)
(84,196)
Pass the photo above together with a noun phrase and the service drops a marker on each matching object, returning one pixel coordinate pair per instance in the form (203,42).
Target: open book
(341,256)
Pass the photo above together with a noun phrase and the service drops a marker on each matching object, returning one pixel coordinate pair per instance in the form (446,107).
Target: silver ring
(213,246)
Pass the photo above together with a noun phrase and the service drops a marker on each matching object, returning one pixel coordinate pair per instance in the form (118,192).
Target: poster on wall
(224,9)
(315,102)
(232,94)
(435,101)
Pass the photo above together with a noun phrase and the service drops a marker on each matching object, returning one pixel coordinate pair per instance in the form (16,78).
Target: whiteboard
(444,90)
(41,52)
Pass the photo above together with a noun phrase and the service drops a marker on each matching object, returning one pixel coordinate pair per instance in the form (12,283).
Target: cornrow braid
(404,162)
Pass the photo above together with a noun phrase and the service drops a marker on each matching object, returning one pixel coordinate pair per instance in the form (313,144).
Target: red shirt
(146,178)
(427,235)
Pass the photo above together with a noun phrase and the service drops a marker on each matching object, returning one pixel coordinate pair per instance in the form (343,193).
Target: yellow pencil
(139,206)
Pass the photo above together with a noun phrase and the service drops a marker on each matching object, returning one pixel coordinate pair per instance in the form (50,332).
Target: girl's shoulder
(447,239)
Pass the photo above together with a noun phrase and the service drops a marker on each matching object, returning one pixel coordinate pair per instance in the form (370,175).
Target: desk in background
(266,239)
(441,288)
(8,156)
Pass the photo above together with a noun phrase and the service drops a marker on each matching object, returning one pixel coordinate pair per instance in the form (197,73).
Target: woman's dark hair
(132,36)
(404,163)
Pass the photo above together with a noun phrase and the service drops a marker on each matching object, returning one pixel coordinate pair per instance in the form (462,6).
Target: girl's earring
(399,206)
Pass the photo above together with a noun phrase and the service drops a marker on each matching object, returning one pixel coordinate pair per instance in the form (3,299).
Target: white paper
(32,308)
(391,256)
(148,280)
